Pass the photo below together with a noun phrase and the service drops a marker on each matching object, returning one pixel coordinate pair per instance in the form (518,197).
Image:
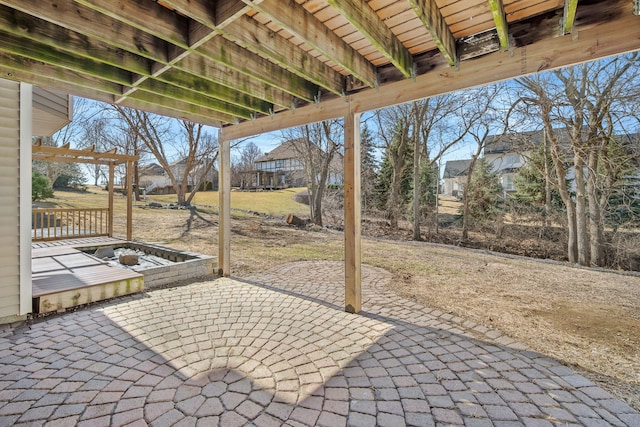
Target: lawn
(275,203)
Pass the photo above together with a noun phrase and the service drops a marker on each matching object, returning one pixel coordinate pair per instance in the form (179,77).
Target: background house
(454,177)
(153,179)
(284,167)
(507,154)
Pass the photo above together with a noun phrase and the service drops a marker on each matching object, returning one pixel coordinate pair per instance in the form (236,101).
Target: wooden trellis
(110,158)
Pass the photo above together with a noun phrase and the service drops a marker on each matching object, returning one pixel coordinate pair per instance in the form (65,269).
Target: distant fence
(58,224)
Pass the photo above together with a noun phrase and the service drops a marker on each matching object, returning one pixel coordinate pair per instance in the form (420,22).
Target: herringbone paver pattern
(280,350)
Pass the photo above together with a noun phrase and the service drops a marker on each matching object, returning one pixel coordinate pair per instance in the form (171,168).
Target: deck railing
(58,224)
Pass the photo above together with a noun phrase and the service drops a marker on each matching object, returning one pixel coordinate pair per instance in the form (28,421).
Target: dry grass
(582,317)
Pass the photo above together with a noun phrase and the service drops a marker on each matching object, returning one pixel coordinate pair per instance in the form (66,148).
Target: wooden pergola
(254,66)
(111,158)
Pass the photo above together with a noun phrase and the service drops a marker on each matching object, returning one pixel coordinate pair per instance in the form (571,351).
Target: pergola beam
(429,14)
(500,19)
(79,155)
(294,18)
(111,158)
(365,19)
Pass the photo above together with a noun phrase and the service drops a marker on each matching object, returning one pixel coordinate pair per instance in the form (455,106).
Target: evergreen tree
(530,184)
(369,168)
(428,183)
(484,194)
(40,187)
(385,177)
(622,189)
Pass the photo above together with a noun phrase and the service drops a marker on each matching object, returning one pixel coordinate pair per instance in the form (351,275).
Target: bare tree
(438,126)
(70,134)
(427,128)
(588,102)
(245,164)
(95,134)
(394,126)
(197,151)
(480,117)
(317,145)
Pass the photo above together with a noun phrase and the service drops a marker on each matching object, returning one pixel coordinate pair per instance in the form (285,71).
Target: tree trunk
(547,185)
(317,211)
(582,234)
(596,226)
(465,194)
(557,158)
(417,190)
(465,204)
(572,240)
(394,200)
(136,180)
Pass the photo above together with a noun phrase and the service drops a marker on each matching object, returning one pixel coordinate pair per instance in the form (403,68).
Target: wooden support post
(352,213)
(129,200)
(224,208)
(111,175)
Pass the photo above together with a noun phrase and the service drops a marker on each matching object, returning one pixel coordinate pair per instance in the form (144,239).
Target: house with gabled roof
(454,177)
(284,167)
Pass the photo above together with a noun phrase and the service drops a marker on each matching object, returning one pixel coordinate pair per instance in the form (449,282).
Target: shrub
(40,187)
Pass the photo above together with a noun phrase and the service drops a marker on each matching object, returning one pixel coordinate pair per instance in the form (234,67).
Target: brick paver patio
(279,350)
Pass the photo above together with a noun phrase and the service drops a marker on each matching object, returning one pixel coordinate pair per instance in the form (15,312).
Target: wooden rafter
(217,80)
(482,70)
(296,20)
(222,51)
(429,14)
(77,57)
(164,24)
(225,100)
(569,17)
(45,75)
(233,56)
(92,86)
(245,31)
(254,61)
(497,10)
(365,19)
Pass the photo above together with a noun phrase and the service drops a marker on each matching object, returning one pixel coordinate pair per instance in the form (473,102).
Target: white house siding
(9,200)
(52,111)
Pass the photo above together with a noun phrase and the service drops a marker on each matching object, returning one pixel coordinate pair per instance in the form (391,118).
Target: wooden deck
(63,276)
